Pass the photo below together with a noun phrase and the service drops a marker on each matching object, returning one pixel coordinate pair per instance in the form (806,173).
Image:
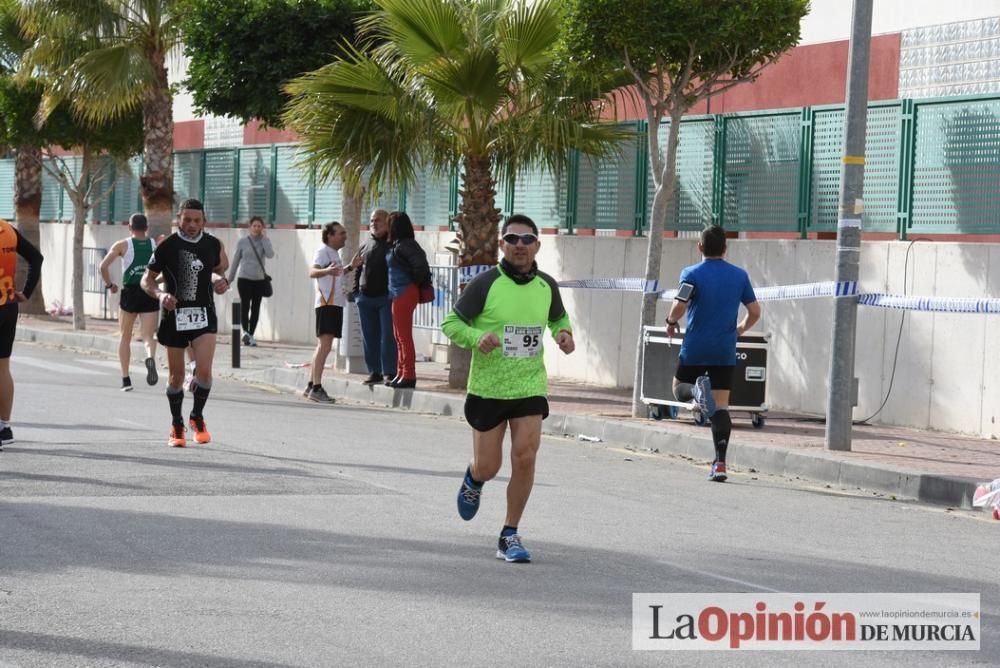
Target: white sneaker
(703,395)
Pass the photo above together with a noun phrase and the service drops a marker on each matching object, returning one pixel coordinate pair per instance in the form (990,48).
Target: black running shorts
(486,414)
(168,335)
(721,376)
(8,328)
(134,299)
(329,320)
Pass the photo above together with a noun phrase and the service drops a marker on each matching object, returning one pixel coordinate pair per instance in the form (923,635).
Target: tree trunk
(350,214)
(28,206)
(662,207)
(478,220)
(157,181)
(80,207)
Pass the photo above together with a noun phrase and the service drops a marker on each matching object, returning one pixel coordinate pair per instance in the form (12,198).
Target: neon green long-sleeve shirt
(518,313)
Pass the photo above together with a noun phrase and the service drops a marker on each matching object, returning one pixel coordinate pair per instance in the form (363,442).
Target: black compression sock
(200,397)
(722,427)
(175,397)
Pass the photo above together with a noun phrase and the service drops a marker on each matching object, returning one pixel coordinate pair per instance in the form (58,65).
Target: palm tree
(475,84)
(127,72)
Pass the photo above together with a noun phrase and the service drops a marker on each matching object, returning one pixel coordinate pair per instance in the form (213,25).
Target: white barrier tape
(988,305)
(807,291)
(932,304)
(466,274)
(624,284)
(800,291)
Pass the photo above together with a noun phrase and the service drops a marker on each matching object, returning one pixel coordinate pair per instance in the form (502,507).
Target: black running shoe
(373,379)
(126,384)
(151,376)
(6,436)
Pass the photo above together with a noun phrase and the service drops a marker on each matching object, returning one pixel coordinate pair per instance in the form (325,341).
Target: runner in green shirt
(502,316)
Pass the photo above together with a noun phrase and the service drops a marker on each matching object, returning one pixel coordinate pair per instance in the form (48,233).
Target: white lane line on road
(49,365)
(131,423)
(717,576)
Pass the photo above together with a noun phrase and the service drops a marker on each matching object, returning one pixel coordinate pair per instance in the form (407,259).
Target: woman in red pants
(408,271)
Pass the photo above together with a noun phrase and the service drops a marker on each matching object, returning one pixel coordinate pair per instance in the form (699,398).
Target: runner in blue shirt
(710,293)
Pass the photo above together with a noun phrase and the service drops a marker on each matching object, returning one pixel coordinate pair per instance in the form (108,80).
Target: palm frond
(525,37)
(355,119)
(421,31)
(109,82)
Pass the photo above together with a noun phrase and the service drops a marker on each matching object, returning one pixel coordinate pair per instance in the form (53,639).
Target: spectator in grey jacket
(253,279)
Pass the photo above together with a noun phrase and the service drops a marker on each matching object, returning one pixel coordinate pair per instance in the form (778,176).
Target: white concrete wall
(947,365)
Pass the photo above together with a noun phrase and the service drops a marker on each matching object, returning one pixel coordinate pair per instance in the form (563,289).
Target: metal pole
(236,334)
(842,397)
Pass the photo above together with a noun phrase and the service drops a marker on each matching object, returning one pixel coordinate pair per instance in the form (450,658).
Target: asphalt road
(309,535)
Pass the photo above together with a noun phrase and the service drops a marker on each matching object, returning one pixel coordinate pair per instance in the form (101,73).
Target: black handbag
(268,288)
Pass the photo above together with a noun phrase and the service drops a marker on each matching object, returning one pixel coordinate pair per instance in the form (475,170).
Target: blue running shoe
(703,395)
(468,497)
(511,550)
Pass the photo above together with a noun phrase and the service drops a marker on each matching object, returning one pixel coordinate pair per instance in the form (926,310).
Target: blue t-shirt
(719,289)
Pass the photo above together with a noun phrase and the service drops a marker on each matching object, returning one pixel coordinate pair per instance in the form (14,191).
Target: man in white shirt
(328,270)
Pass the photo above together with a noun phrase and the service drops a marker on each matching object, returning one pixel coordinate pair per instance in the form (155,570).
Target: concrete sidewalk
(904,463)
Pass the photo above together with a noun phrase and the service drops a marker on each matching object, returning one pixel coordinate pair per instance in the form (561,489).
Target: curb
(815,466)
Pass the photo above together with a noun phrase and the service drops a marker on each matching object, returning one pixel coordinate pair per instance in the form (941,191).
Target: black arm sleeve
(34,258)
(556,308)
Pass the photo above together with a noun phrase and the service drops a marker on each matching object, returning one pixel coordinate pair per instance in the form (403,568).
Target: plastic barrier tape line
(932,304)
(624,284)
(988,305)
(800,291)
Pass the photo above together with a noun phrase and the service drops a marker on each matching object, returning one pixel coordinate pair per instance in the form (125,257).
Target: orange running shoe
(201,434)
(177,439)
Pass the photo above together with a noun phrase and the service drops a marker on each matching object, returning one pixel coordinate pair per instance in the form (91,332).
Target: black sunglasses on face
(526,239)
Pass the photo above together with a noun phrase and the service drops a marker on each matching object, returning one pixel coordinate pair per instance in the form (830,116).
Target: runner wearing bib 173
(502,316)
(193,264)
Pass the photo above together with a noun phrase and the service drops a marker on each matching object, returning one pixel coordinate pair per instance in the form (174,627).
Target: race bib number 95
(522,341)
(191,318)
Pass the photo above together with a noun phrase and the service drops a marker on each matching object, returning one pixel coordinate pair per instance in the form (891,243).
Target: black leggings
(251,293)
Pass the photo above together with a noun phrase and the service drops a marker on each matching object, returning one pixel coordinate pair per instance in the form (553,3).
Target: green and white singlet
(137,255)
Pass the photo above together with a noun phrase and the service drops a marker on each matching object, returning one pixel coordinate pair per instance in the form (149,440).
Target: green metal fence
(932,166)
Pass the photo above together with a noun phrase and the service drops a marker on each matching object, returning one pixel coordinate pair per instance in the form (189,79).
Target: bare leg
(175,366)
(126,321)
(525,436)
(204,354)
(721,398)
(6,390)
(147,326)
(323,347)
(487,452)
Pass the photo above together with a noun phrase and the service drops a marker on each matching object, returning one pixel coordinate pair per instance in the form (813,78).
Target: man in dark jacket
(371,294)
